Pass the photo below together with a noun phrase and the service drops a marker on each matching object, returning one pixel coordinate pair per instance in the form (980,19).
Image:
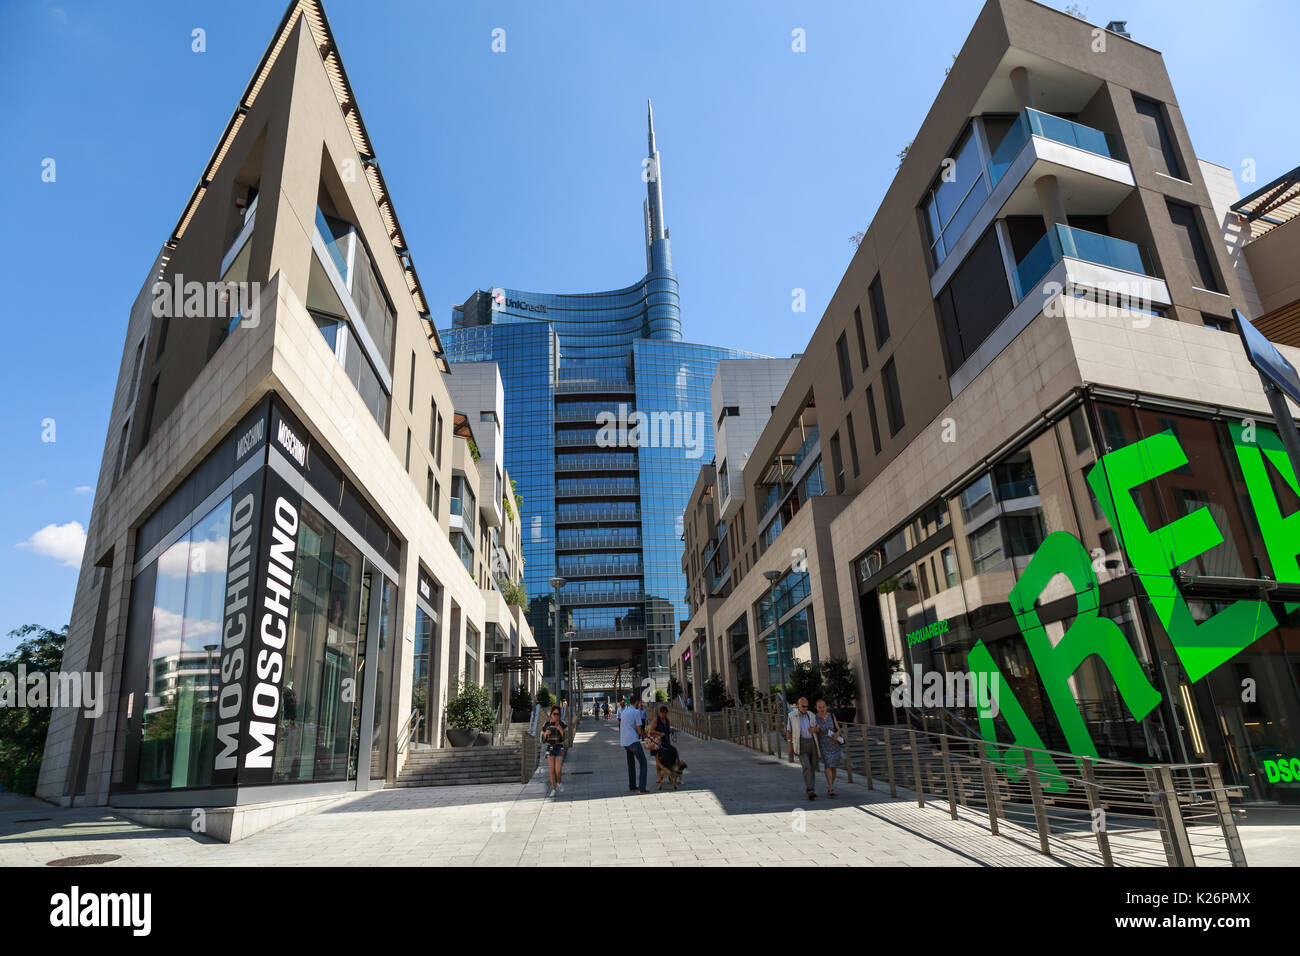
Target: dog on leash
(668,766)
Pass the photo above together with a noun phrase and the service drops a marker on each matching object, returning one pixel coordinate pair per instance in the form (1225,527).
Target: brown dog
(671,772)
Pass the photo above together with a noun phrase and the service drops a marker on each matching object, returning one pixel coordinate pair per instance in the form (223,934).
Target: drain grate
(579,773)
(89,859)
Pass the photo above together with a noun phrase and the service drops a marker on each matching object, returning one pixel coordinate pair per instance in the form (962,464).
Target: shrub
(661,696)
(715,690)
(544,696)
(514,592)
(674,687)
(521,699)
(471,708)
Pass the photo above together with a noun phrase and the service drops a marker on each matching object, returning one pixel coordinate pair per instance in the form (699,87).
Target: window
(878,317)
(1191,242)
(437,496)
(1217,322)
(893,400)
(162,336)
(148,412)
(1079,432)
(853,446)
(1160,146)
(862,339)
(428,492)
(976,300)
(410,401)
(955,197)
(135,372)
(875,427)
(121,451)
(436,437)
(846,374)
(728,411)
(837,462)
(408,451)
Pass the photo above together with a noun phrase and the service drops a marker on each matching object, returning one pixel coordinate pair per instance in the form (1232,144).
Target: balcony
(597,488)
(1035,123)
(1126,267)
(583,541)
(595,515)
(608,634)
(599,569)
(625,461)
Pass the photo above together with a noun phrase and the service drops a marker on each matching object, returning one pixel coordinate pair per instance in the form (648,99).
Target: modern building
(1046,458)
(610,421)
(270,583)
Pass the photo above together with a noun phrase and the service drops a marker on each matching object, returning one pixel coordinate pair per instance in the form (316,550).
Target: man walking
(631,721)
(801,732)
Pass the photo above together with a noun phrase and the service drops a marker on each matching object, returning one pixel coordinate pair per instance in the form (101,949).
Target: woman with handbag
(554,737)
(831,738)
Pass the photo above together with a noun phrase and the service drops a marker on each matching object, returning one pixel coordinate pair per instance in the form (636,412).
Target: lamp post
(772,577)
(557,583)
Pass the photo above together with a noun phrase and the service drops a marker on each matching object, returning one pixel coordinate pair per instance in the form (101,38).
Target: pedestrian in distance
(631,733)
(554,737)
(801,738)
(830,742)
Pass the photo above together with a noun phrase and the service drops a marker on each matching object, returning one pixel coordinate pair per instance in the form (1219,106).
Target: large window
(1155,130)
(862,339)
(1191,243)
(976,300)
(955,197)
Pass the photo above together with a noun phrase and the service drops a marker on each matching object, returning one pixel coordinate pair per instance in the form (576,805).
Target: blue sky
(519,169)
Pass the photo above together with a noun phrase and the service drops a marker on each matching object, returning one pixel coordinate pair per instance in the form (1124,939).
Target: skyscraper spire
(655,228)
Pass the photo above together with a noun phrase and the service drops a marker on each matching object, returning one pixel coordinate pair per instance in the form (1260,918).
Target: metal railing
(405,739)
(1085,810)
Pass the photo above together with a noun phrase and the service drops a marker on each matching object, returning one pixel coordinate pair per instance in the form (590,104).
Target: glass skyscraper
(608,421)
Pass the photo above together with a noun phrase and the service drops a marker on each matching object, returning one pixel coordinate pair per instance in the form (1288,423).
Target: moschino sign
(1153,554)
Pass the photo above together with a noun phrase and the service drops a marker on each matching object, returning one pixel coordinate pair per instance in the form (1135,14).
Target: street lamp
(557,583)
(772,577)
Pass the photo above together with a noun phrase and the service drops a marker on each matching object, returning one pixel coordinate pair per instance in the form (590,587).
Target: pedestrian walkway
(734,807)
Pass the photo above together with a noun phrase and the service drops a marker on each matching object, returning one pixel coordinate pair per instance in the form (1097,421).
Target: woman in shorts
(554,736)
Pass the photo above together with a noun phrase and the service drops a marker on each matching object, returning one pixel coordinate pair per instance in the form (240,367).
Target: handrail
(1141,811)
(404,740)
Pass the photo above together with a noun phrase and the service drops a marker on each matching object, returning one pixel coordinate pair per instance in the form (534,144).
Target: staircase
(460,766)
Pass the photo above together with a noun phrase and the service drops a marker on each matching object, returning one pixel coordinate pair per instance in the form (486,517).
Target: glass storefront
(259,635)
(1123,598)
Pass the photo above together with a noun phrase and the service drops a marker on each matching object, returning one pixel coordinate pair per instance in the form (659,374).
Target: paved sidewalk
(735,807)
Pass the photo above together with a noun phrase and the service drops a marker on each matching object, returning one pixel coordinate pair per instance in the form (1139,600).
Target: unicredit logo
(525,306)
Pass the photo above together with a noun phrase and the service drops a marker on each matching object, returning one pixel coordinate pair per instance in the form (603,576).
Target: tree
(715,690)
(674,686)
(841,685)
(805,681)
(23,729)
(544,696)
(521,699)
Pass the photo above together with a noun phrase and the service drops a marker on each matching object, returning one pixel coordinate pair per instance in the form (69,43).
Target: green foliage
(22,729)
(841,684)
(514,592)
(505,506)
(471,708)
(674,686)
(747,692)
(661,696)
(544,696)
(805,681)
(715,689)
(473,449)
(519,499)
(521,699)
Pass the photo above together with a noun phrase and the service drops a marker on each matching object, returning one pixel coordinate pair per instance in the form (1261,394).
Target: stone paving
(735,807)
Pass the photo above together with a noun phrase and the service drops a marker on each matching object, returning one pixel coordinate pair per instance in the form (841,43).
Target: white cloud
(63,542)
(201,557)
(83,489)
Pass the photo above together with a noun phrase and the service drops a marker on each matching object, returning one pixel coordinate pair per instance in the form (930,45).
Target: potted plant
(469,714)
(544,696)
(841,688)
(715,692)
(521,705)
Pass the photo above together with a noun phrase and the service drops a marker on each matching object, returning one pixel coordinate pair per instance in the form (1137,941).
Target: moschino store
(1128,571)
(261,630)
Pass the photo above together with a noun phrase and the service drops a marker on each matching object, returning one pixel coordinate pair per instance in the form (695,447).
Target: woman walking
(554,736)
(831,739)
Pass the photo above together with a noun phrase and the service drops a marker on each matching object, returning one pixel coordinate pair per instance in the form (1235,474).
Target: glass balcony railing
(1033,123)
(1061,241)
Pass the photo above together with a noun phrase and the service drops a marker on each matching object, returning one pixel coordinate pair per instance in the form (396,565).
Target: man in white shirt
(631,721)
(801,726)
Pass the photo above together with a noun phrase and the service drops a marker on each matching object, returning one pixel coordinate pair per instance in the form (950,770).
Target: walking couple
(811,736)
